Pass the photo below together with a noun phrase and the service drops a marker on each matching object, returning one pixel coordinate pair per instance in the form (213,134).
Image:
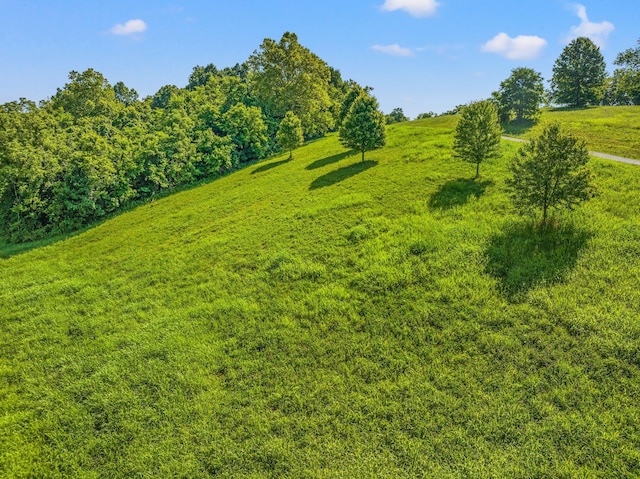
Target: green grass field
(323,317)
(607,129)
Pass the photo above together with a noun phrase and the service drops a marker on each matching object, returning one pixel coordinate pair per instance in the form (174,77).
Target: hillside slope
(607,129)
(324,317)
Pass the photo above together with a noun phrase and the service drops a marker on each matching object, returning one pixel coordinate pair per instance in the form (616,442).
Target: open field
(607,129)
(323,317)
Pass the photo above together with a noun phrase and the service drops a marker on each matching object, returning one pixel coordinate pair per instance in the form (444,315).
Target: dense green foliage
(396,116)
(244,124)
(520,96)
(624,86)
(579,74)
(285,76)
(363,129)
(477,135)
(319,318)
(290,134)
(550,172)
(429,114)
(94,148)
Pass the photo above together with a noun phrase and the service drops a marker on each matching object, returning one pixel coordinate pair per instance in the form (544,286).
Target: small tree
(290,135)
(521,94)
(578,74)
(477,135)
(363,128)
(550,172)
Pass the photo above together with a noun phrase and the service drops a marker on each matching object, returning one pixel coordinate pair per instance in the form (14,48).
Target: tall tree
(363,128)
(353,91)
(87,94)
(200,75)
(550,172)
(125,95)
(625,84)
(521,95)
(477,135)
(290,133)
(285,76)
(578,74)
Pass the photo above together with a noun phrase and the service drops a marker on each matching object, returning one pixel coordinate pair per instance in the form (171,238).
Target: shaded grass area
(269,165)
(329,160)
(341,174)
(524,256)
(458,192)
(255,327)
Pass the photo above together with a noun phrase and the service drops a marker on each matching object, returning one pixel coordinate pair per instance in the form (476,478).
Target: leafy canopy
(579,74)
(550,172)
(396,116)
(477,135)
(520,95)
(290,134)
(363,128)
(624,86)
(285,76)
(245,125)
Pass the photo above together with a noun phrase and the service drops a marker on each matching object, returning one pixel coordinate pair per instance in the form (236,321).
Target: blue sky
(419,55)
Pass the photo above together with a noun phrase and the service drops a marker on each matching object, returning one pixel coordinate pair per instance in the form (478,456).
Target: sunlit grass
(318,318)
(613,130)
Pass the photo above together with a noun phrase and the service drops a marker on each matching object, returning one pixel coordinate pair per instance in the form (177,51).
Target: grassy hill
(324,317)
(607,129)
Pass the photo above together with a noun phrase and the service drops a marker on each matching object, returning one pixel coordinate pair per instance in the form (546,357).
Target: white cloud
(395,50)
(522,47)
(129,28)
(597,32)
(417,8)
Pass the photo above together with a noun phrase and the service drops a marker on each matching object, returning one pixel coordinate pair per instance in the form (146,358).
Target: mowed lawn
(324,317)
(606,129)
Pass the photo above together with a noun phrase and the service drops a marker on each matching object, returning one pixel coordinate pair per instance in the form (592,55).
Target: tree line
(94,148)
(579,80)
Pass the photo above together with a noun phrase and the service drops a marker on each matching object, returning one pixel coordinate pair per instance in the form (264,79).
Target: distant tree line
(579,80)
(93,148)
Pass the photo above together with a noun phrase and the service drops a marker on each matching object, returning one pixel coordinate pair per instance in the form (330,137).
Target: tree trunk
(362,156)
(477,169)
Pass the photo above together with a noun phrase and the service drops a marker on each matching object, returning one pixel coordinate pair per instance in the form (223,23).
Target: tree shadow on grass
(457,192)
(525,256)
(341,174)
(268,166)
(329,160)
(518,127)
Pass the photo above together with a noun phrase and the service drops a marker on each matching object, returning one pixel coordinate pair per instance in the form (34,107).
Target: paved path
(606,156)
